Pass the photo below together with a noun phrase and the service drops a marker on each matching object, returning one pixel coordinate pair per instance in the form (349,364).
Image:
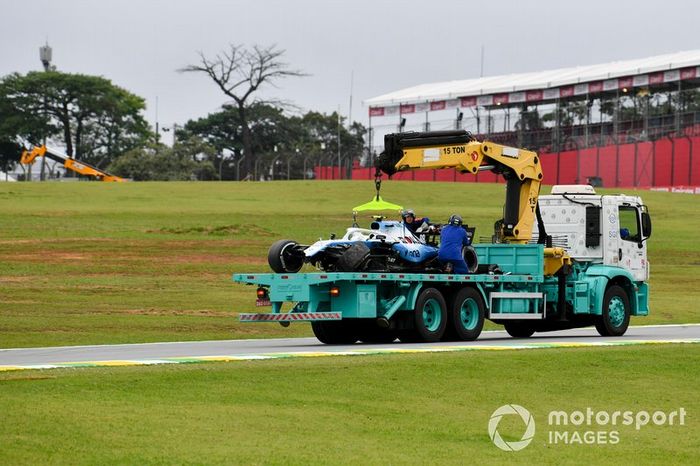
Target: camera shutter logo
(524,415)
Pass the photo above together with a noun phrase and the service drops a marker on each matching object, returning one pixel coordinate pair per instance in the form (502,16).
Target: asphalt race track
(234,350)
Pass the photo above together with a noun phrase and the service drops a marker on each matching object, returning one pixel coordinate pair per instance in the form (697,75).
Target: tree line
(102,124)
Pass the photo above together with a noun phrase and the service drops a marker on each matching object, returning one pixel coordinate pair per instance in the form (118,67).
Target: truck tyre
(282,257)
(519,329)
(370,332)
(615,317)
(353,258)
(465,315)
(335,332)
(429,316)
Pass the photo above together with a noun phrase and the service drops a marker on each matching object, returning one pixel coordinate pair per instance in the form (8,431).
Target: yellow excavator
(82,168)
(521,169)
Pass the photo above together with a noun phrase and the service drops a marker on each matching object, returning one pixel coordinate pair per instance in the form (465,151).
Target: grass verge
(400,409)
(87,263)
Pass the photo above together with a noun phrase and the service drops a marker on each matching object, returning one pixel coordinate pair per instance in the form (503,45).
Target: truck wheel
(465,316)
(519,329)
(335,332)
(430,316)
(282,257)
(616,313)
(369,332)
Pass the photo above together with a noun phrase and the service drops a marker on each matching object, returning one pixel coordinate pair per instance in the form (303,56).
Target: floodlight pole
(340,177)
(370,135)
(238,167)
(45,55)
(306,161)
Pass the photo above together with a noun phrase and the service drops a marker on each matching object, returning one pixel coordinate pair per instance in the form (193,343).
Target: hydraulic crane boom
(82,168)
(459,150)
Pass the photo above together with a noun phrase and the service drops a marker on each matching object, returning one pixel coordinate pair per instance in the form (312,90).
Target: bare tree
(239,73)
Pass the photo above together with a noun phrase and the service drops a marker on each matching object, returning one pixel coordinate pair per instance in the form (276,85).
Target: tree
(10,152)
(240,73)
(331,131)
(223,130)
(186,160)
(274,135)
(94,119)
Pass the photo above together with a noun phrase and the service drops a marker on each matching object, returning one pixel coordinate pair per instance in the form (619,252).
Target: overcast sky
(139,45)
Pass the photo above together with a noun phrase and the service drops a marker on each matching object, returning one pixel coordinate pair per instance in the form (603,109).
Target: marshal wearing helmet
(453,239)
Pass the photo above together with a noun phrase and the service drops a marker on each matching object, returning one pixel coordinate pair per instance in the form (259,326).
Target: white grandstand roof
(537,80)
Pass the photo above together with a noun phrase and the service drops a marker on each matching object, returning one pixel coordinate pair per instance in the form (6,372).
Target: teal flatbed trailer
(346,307)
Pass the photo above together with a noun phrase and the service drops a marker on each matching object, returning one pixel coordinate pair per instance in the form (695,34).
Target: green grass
(85,263)
(399,409)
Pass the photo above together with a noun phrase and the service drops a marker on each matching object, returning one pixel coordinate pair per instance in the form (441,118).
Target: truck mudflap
(291,317)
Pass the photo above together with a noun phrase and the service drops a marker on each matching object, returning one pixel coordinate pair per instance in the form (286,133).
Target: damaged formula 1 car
(387,246)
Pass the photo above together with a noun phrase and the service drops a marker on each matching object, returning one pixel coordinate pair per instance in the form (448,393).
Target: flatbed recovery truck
(585,265)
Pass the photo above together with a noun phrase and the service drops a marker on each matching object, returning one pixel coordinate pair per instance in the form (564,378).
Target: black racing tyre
(519,329)
(465,315)
(429,316)
(615,317)
(282,257)
(353,258)
(471,258)
(335,332)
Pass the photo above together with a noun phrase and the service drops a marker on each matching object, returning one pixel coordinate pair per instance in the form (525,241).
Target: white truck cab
(606,229)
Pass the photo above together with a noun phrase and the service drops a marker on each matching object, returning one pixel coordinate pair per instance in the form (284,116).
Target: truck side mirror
(646,225)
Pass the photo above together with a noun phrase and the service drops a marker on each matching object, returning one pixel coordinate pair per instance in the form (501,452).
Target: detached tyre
(616,313)
(519,329)
(353,258)
(430,317)
(335,332)
(471,258)
(283,256)
(465,316)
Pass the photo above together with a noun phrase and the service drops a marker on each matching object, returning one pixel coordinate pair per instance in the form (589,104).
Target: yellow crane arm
(89,170)
(29,156)
(459,150)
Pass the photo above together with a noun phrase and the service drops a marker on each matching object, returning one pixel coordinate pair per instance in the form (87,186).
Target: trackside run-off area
(403,409)
(100,264)
(89,263)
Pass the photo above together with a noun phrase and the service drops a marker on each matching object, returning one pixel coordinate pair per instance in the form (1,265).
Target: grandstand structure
(626,123)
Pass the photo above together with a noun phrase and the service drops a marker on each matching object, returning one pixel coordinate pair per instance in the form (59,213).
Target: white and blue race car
(387,246)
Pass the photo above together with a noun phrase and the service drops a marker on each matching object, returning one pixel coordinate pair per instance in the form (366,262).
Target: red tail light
(334,292)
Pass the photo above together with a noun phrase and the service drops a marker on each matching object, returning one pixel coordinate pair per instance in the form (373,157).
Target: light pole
(306,164)
(274,162)
(339,164)
(258,161)
(289,161)
(321,171)
(238,167)
(174,128)
(45,55)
